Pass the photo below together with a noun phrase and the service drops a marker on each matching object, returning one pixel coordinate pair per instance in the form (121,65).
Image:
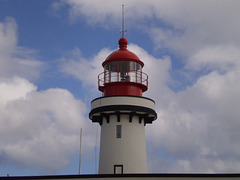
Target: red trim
(123,88)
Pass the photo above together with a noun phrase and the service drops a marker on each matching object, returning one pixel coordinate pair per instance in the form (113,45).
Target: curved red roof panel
(122,54)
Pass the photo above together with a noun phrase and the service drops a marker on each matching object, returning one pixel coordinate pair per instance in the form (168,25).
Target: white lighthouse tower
(122,113)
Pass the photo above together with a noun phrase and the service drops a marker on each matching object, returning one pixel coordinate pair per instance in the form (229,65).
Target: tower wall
(127,152)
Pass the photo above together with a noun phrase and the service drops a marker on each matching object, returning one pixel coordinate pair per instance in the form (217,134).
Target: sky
(51,53)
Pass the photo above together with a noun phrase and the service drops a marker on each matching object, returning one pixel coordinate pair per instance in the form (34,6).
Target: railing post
(136,76)
(98,81)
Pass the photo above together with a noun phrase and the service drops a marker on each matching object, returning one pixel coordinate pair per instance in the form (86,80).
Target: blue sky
(51,53)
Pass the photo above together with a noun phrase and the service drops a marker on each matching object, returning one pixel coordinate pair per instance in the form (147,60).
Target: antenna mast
(123,31)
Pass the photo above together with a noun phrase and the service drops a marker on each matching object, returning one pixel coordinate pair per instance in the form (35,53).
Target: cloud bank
(39,129)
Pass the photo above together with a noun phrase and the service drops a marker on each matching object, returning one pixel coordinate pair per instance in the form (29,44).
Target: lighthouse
(122,112)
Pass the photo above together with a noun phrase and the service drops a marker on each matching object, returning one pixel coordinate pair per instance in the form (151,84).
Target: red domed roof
(122,54)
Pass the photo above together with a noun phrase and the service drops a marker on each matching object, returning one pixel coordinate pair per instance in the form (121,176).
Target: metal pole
(80,151)
(122,20)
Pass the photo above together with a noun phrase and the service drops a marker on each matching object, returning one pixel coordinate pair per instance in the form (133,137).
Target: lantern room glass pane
(132,66)
(123,66)
(138,67)
(106,67)
(113,66)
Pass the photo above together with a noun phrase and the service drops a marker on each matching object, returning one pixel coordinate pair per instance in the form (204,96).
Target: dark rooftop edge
(121,175)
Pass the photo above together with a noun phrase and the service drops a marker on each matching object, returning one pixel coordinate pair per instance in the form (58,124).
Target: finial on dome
(123,43)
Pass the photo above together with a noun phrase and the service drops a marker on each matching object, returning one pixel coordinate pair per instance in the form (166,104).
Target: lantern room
(122,73)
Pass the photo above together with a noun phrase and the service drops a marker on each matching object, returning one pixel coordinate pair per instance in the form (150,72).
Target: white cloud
(85,70)
(193,25)
(221,58)
(15,60)
(96,12)
(38,129)
(183,26)
(8,89)
(198,129)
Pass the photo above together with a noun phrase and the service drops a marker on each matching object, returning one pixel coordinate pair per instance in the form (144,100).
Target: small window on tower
(119,131)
